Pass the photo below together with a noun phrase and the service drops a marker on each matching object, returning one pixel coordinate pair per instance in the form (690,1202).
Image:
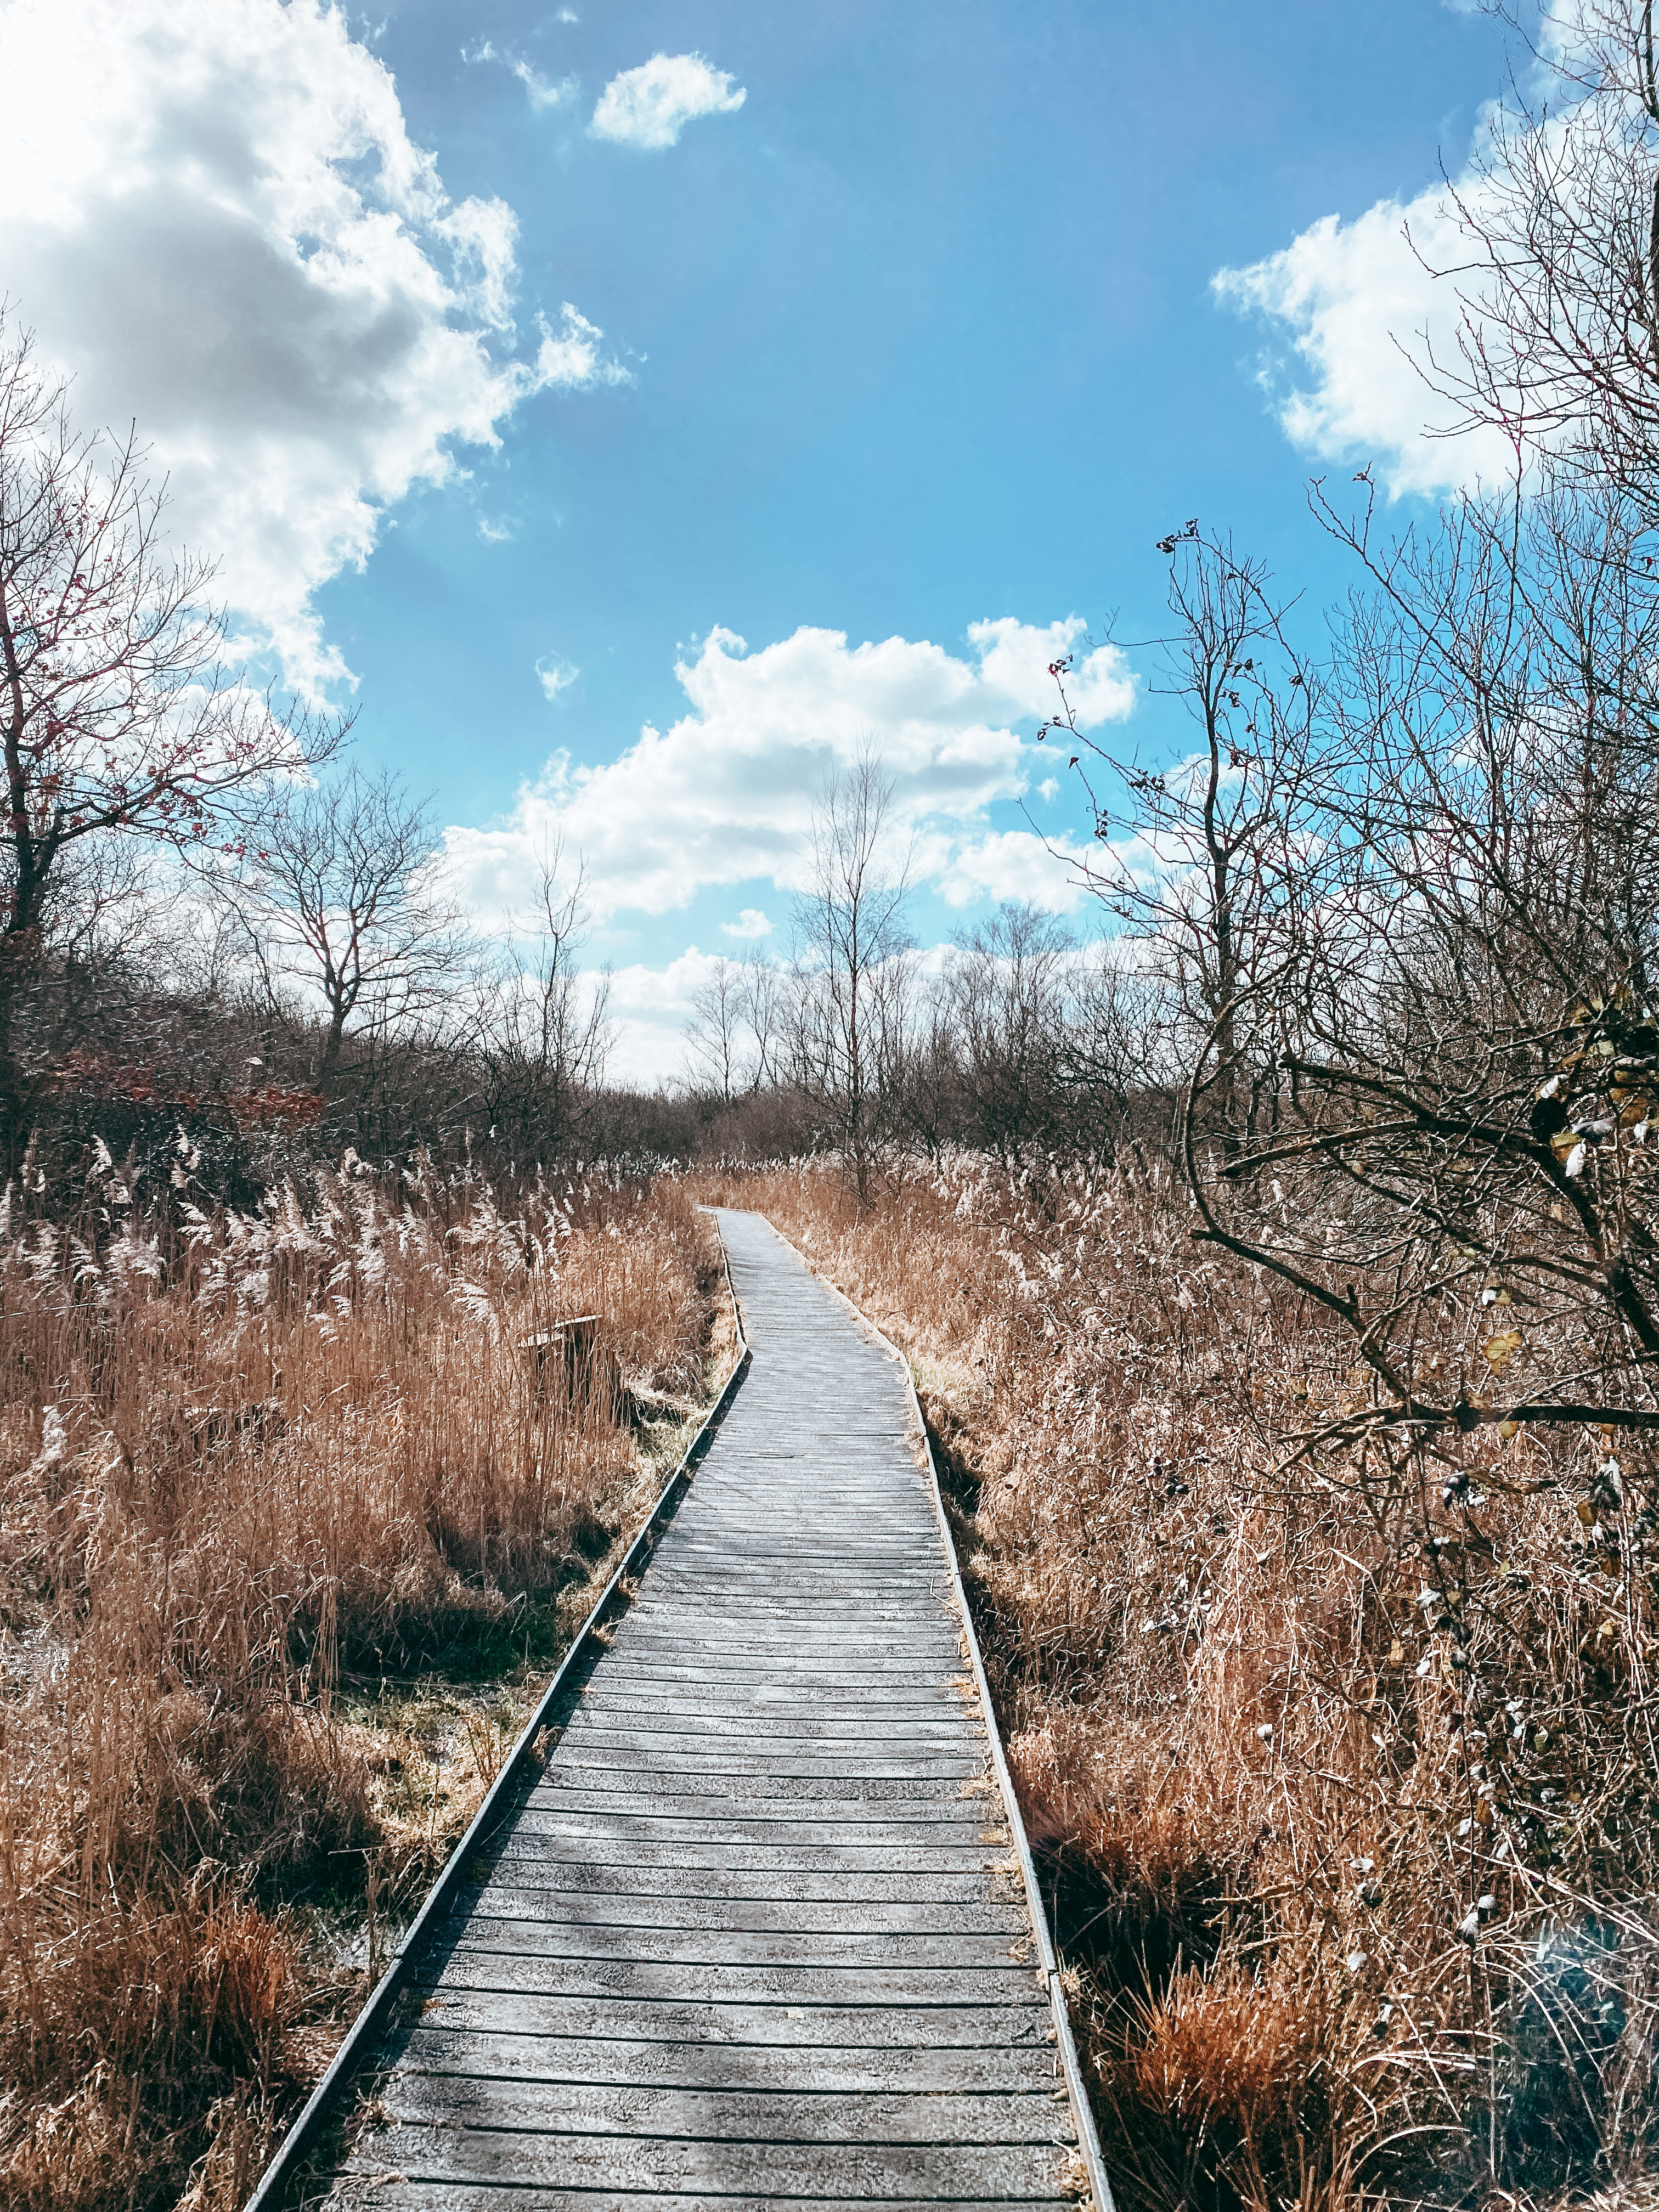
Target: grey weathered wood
(916,1781)
(512,1935)
(837,1915)
(617,1721)
(393,2192)
(870,2027)
(581,1880)
(688,1825)
(524,1972)
(756,1932)
(741,1854)
(724,1800)
(631,1751)
(1023,2171)
(418,2098)
(722,2066)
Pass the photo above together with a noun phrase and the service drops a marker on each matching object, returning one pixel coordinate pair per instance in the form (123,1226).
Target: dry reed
(255,1468)
(1340,1773)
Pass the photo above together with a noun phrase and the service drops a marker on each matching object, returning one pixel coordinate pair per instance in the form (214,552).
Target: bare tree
(1006,987)
(850,975)
(1558,341)
(117,713)
(1116,1063)
(734,1034)
(1450,1035)
(545,1032)
(929,1105)
(1228,829)
(763,1011)
(714,1034)
(342,893)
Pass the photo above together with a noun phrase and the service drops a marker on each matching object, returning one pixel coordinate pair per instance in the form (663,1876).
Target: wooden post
(572,1349)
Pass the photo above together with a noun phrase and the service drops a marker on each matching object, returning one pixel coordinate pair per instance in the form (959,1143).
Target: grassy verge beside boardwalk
(1345,1795)
(294,1525)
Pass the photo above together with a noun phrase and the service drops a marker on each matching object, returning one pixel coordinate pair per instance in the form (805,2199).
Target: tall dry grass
(1341,1773)
(252,1467)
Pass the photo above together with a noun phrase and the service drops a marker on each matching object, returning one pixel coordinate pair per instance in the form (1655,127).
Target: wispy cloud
(648,108)
(556,674)
(544,92)
(570,358)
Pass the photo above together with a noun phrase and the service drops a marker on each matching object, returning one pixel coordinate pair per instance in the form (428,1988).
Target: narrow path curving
(755,1935)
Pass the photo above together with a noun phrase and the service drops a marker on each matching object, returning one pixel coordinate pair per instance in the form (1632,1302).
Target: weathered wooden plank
(941,1731)
(953,1802)
(747,1916)
(939,2171)
(844,1889)
(854,1678)
(775,2068)
(417,2097)
(491,1929)
(664,1638)
(800,1565)
(634,1751)
(740,1856)
(905,1657)
(481,1967)
(769,1706)
(764,1602)
(732,2023)
(898,1771)
(395,2192)
(729,1760)
(688,1824)
(898,1788)
(926,1691)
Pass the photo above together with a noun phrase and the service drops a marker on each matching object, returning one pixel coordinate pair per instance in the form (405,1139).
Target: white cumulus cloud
(750,924)
(1015,864)
(1364,314)
(1018,662)
(724,796)
(649,106)
(216,219)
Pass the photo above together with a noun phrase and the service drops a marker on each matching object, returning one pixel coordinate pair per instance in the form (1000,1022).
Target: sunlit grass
(1346,1797)
(295,1526)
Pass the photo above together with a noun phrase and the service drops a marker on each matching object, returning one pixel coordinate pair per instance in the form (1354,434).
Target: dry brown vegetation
(291,1523)
(1339,1766)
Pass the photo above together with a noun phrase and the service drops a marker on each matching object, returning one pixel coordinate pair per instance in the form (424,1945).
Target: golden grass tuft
(1340,1778)
(259,1473)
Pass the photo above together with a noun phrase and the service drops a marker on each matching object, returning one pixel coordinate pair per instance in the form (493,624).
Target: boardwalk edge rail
(1087,2134)
(373,2018)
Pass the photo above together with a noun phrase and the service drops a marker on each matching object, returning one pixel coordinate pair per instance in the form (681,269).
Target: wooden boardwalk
(756,1934)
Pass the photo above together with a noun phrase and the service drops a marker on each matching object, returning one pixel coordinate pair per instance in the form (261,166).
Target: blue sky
(918,335)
